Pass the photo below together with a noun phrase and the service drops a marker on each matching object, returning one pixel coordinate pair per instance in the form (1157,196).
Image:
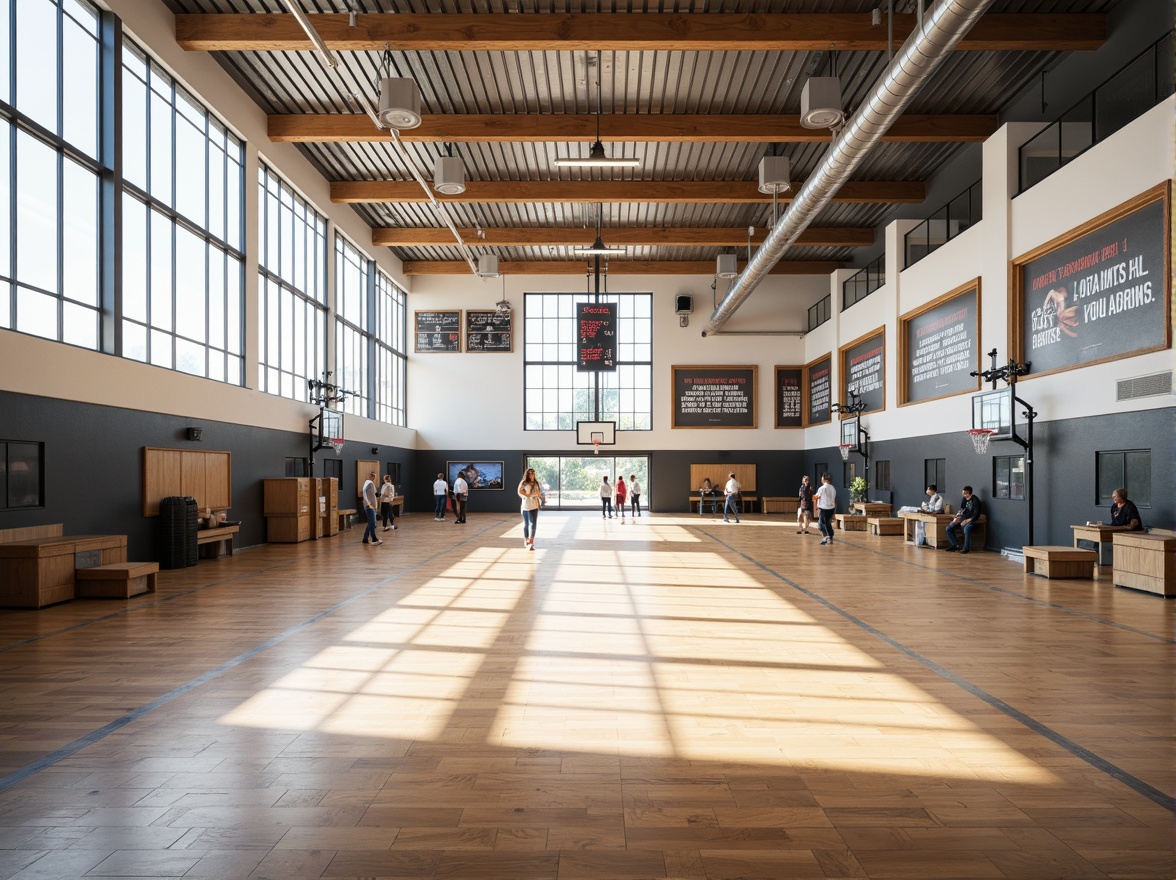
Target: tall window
(556,395)
(353,323)
(49,123)
(292,288)
(183,266)
(1127,469)
(935,473)
(391,346)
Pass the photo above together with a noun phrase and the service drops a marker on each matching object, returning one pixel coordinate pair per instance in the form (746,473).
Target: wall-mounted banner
(1097,293)
(714,397)
(596,337)
(438,331)
(939,346)
(863,370)
(789,397)
(818,379)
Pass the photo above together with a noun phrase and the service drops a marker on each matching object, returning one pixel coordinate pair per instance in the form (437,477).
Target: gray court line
(17,776)
(1081,752)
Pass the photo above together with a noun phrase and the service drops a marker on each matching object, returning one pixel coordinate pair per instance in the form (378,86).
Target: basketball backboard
(849,434)
(589,433)
(993,410)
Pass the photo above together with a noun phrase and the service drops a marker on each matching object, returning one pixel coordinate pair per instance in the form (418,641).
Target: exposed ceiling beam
(653,191)
(620,128)
(615,267)
(651,236)
(638,32)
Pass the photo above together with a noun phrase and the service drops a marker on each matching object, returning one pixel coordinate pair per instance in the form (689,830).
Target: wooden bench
(885,525)
(1052,561)
(720,501)
(850,522)
(778,504)
(118,580)
(346,518)
(217,542)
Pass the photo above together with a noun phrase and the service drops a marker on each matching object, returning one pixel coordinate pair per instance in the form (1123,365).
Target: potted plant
(858,489)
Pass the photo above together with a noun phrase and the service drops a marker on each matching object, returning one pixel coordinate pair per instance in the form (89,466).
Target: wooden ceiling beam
(638,237)
(637,32)
(615,267)
(739,192)
(619,128)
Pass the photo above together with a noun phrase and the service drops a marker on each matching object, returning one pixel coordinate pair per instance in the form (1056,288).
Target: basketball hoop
(980,438)
(335,443)
(844,448)
(596,446)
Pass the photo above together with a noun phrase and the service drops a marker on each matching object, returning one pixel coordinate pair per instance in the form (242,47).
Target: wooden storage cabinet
(40,571)
(327,507)
(1145,562)
(287,509)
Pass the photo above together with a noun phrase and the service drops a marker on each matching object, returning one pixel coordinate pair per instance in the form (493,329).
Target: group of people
(825,500)
(443,496)
(378,499)
(620,494)
(732,497)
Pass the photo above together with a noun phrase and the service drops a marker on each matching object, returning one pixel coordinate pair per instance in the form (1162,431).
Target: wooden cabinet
(1145,562)
(287,509)
(40,571)
(326,520)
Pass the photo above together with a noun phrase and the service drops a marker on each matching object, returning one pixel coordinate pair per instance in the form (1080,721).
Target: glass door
(573,482)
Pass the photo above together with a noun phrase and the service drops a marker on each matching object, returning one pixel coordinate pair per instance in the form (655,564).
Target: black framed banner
(438,331)
(596,337)
(863,370)
(488,330)
(818,383)
(1097,293)
(789,397)
(939,346)
(714,397)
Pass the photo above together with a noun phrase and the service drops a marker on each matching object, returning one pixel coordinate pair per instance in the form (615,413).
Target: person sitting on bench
(1124,513)
(964,520)
(933,504)
(707,490)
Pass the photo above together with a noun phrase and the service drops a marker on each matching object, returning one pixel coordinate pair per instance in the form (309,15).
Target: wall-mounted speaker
(684,304)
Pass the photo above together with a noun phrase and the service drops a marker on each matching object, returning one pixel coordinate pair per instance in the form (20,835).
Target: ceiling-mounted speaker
(773,174)
(487,266)
(400,103)
(727,266)
(449,175)
(820,103)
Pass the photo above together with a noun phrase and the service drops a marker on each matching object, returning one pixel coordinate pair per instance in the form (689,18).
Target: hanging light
(597,157)
(598,247)
(400,99)
(449,175)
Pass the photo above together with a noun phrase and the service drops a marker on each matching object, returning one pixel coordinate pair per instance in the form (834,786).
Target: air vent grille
(1145,386)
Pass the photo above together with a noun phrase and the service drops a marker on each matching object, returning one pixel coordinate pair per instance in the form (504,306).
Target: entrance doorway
(573,482)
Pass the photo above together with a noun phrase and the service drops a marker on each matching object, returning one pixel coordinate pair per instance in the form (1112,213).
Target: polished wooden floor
(668,698)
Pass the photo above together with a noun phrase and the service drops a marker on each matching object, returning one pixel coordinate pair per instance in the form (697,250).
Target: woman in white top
(387,493)
(531,494)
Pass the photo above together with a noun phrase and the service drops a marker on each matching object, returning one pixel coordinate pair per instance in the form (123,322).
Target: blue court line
(96,735)
(1081,752)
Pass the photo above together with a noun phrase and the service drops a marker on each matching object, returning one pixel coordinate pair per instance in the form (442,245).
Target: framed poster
(818,382)
(789,397)
(438,331)
(863,370)
(479,475)
(488,330)
(713,397)
(939,346)
(1098,293)
(596,337)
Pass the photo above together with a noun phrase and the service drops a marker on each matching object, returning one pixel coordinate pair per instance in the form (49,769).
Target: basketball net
(336,443)
(596,446)
(844,448)
(980,438)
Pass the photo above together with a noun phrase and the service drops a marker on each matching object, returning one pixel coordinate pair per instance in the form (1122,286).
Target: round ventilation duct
(449,176)
(820,103)
(400,103)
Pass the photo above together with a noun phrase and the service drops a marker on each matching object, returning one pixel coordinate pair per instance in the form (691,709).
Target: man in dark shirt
(964,520)
(1124,513)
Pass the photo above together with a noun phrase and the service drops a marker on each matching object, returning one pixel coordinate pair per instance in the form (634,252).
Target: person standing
(531,494)
(804,513)
(369,509)
(964,520)
(622,494)
(635,494)
(826,504)
(387,494)
(440,494)
(461,491)
(732,492)
(605,498)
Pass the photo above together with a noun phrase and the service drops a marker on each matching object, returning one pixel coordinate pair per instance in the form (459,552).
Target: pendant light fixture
(598,247)
(597,158)
(400,99)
